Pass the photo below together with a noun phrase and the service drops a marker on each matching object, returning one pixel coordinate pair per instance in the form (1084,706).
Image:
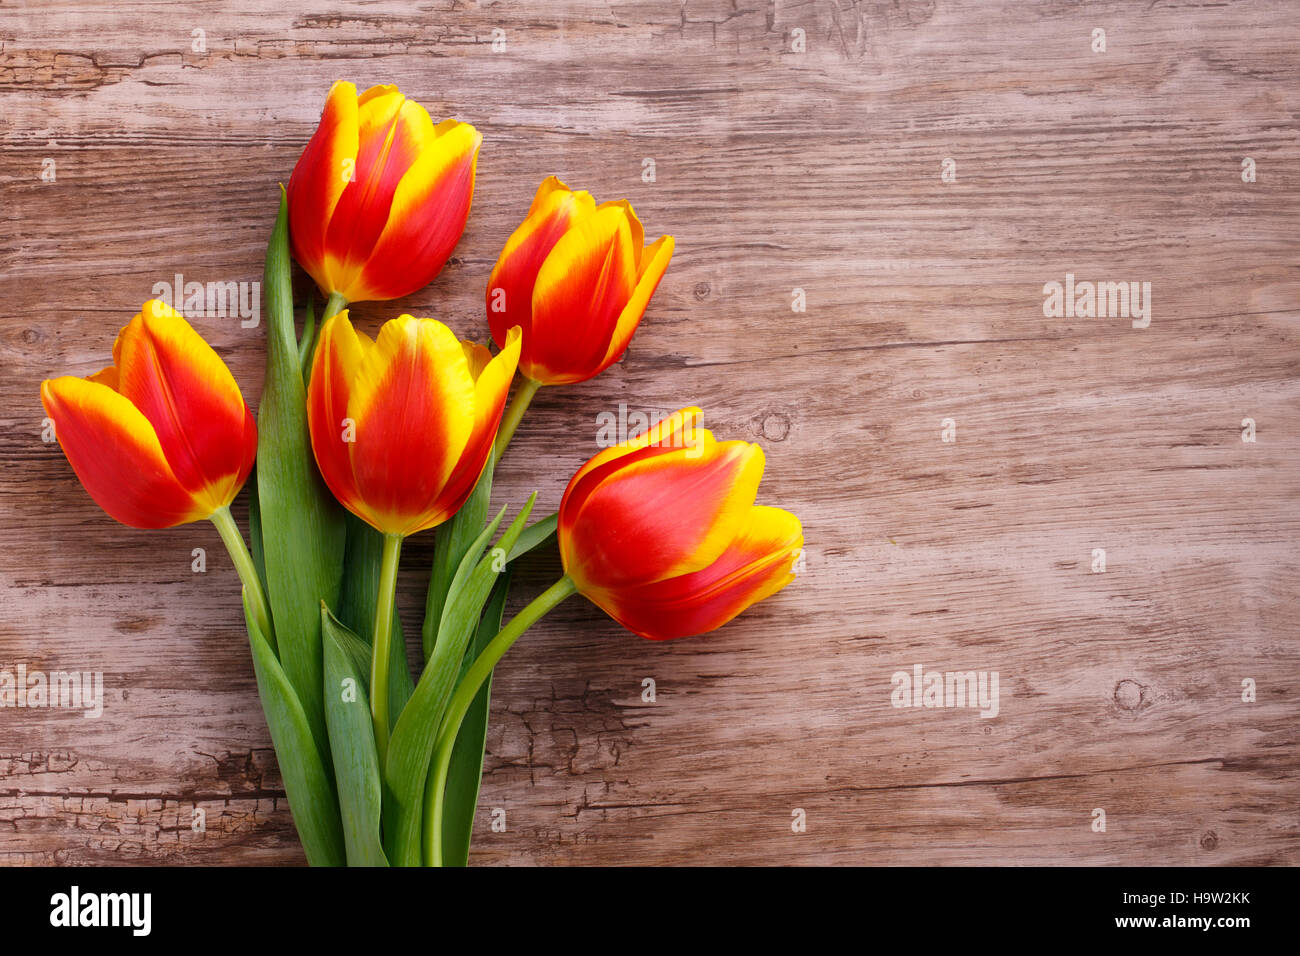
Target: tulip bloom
(662,532)
(380,196)
(576,277)
(402,426)
(162,436)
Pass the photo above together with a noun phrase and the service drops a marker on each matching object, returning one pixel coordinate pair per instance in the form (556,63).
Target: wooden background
(775,170)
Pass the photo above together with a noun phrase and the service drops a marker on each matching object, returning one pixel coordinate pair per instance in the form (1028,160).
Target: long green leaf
(307,782)
(307,341)
(417,725)
(302,525)
(535,535)
(465,772)
(255,531)
(451,544)
(360,594)
(413,738)
(357,650)
(352,741)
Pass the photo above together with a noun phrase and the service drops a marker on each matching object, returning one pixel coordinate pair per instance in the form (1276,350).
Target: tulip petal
(339,353)
(393,132)
(543,197)
(319,179)
(634,225)
(492,376)
(756,565)
(117,456)
(187,393)
(106,376)
(476,357)
(429,209)
(678,430)
(581,289)
(413,405)
(510,287)
(654,263)
(661,516)
(492,383)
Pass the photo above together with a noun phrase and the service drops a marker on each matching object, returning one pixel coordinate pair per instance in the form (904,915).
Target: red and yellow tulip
(162,436)
(576,277)
(402,426)
(381,194)
(662,532)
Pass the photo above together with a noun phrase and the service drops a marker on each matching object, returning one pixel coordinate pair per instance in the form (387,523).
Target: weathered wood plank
(776,171)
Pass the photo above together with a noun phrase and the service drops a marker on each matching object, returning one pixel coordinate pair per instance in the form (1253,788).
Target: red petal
(510,287)
(115,453)
(428,214)
(318,181)
(393,132)
(183,388)
(413,404)
(661,516)
(339,352)
(754,566)
(581,289)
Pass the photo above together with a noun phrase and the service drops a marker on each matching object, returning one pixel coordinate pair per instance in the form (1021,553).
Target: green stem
(243,561)
(380,648)
(515,413)
(333,307)
(460,703)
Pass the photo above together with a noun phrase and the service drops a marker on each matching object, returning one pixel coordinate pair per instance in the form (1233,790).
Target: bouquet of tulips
(360,442)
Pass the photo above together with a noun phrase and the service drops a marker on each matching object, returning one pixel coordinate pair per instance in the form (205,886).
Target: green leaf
(360,594)
(451,544)
(307,343)
(356,648)
(465,772)
(414,735)
(307,782)
(352,740)
(255,531)
(535,535)
(302,526)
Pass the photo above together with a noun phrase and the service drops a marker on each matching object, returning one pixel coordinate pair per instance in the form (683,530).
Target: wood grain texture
(775,170)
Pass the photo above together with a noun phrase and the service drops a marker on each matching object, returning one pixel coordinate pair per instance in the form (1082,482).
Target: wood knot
(31,336)
(1209,840)
(702,290)
(774,426)
(1128,695)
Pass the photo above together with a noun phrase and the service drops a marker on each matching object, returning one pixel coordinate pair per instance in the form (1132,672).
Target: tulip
(161,437)
(402,428)
(576,277)
(660,532)
(380,196)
